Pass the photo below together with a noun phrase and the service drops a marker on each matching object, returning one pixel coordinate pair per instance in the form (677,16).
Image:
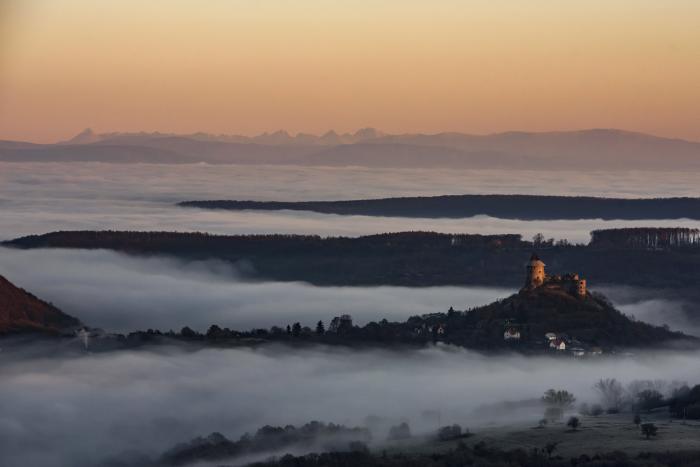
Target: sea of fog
(38,198)
(78,411)
(123,293)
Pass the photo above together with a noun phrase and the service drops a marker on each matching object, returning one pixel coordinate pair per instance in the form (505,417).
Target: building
(511,333)
(536,278)
(535,273)
(558,344)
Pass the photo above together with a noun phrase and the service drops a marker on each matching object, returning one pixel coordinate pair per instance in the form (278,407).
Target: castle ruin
(536,278)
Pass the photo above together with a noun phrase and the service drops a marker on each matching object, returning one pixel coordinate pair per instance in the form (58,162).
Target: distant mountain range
(21,311)
(596,149)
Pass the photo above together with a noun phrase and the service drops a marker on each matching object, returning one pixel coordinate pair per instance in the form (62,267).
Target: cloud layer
(121,293)
(37,198)
(77,411)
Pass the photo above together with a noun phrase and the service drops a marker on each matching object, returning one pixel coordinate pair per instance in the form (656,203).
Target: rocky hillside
(21,311)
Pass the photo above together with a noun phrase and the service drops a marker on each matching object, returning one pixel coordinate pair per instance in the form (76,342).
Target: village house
(511,333)
(558,344)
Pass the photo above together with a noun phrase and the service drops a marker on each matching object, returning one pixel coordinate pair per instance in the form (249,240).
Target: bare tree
(611,392)
(558,398)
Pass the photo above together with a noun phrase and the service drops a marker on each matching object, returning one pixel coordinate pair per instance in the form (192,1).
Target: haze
(39,198)
(83,410)
(310,65)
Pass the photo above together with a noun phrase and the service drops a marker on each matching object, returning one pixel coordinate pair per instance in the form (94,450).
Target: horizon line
(352,133)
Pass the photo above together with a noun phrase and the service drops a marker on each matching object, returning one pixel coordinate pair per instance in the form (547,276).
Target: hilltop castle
(537,278)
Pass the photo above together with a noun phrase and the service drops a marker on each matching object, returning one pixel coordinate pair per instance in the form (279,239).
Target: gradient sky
(248,66)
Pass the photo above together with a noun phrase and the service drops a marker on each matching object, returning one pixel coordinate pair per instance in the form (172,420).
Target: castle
(536,278)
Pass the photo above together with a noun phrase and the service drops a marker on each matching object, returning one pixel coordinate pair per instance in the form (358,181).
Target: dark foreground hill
(21,311)
(529,207)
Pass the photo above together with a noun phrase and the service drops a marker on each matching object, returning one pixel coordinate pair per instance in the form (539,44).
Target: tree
(214,331)
(649,399)
(611,392)
(296,329)
(558,398)
(596,410)
(573,422)
(320,329)
(550,448)
(334,325)
(447,433)
(538,239)
(649,429)
(289,329)
(637,419)
(187,332)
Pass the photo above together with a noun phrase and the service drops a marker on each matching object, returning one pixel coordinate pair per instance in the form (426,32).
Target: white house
(511,334)
(557,344)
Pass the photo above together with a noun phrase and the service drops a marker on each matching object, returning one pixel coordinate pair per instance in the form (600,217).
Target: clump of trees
(556,402)
(685,402)
(611,392)
(450,432)
(268,438)
(648,238)
(644,395)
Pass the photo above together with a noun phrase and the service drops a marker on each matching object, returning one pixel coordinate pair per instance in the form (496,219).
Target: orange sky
(248,66)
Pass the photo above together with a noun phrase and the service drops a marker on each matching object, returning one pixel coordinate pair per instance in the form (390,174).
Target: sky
(249,66)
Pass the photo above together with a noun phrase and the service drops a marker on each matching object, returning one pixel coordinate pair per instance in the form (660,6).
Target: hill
(543,321)
(21,311)
(592,321)
(528,207)
(408,258)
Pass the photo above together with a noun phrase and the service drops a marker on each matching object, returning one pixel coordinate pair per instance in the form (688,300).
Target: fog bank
(75,412)
(38,198)
(122,293)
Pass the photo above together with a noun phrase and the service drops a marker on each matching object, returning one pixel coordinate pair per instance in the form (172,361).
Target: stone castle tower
(535,276)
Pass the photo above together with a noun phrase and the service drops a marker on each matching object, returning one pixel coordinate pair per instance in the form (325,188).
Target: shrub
(450,432)
(649,429)
(573,422)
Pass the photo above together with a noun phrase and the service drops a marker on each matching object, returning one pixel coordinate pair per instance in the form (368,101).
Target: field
(601,434)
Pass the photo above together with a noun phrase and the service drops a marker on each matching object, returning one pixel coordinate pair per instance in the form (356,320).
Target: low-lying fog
(123,293)
(37,198)
(75,412)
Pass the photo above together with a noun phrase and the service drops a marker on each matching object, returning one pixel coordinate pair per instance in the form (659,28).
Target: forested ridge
(407,258)
(527,207)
